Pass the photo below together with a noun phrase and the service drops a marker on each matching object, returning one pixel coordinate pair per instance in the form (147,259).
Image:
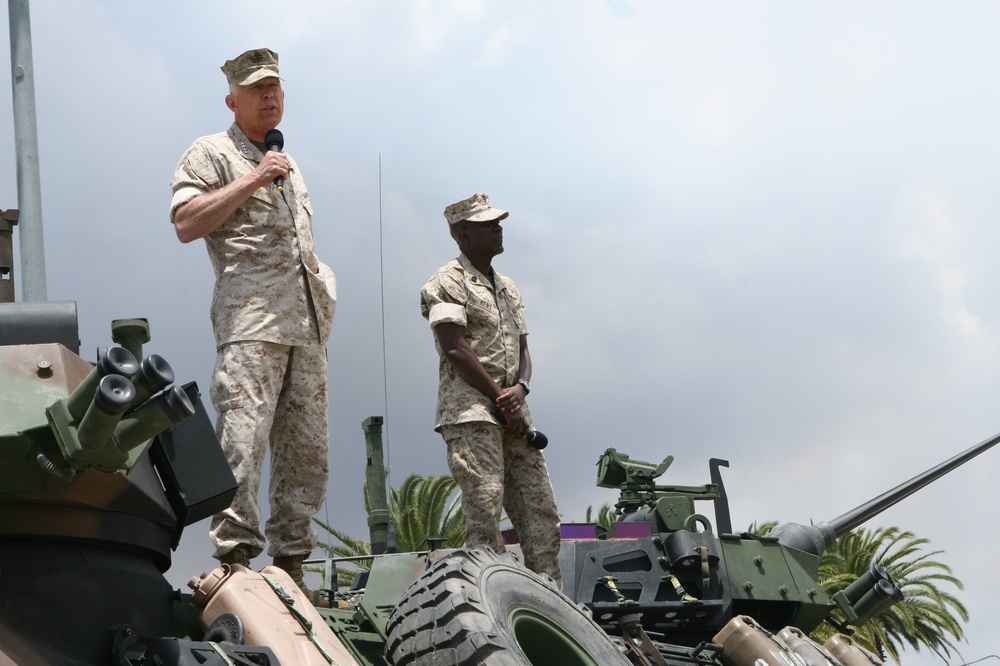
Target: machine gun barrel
(816,538)
(848,521)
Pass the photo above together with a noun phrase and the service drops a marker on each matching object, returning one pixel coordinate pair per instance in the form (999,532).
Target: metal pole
(29,191)
(8,218)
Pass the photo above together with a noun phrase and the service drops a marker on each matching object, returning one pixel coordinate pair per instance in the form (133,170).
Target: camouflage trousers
(269,394)
(495,470)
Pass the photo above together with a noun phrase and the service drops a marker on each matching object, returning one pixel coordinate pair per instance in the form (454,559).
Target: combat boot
(238,555)
(292,564)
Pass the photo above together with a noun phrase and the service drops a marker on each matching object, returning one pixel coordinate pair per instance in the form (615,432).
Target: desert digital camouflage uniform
(493,468)
(272,312)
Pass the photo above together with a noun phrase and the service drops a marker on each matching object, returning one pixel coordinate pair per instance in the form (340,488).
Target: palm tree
(427,507)
(349,547)
(422,510)
(605,516)
(929,616)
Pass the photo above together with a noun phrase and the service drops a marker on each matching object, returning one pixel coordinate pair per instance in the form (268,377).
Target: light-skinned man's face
(258,107)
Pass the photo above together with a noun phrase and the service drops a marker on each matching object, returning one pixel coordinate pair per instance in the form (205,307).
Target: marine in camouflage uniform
(272,311)
(480,334)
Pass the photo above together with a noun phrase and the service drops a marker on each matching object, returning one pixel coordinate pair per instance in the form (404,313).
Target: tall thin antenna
(385,380)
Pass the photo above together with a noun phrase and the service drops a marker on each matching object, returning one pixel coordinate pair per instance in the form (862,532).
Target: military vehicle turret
(94,494)
(663,564)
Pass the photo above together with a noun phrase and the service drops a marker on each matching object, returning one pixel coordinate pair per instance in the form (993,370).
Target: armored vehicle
(103,464)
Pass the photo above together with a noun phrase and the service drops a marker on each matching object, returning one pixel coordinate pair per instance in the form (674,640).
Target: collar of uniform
(478,277)
(243,144)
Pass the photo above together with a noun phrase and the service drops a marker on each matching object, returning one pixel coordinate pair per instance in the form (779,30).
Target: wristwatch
(524,383)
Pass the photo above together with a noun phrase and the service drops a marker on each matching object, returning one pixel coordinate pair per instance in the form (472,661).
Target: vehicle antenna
(385,380)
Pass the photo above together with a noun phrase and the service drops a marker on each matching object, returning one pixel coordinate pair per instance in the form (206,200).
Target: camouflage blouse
(269,284)
(494,323)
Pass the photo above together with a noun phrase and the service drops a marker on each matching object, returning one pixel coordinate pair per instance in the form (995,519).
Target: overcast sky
(764,232)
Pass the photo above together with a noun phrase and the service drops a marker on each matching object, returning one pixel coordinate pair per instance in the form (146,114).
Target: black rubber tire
(477,608)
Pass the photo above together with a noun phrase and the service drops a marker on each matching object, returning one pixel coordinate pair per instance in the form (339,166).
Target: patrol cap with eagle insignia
(476,208)
(251,66)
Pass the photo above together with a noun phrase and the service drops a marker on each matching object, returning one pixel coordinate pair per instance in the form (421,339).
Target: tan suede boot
(238,555)
(292,564)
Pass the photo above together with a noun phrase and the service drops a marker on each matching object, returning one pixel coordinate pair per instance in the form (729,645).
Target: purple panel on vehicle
(630,530)
(577,531)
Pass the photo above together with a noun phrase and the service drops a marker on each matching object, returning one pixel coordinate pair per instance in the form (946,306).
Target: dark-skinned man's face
(482,238)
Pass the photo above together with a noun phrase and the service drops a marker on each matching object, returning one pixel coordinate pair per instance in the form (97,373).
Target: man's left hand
(511,400)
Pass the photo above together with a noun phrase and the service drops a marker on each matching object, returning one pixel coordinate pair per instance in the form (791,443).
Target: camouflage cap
(251,66)
(476,208)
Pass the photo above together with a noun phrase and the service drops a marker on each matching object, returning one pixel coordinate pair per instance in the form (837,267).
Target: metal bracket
(640,647)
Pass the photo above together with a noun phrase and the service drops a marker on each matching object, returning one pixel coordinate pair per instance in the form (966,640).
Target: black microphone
(275,140)
(536,438)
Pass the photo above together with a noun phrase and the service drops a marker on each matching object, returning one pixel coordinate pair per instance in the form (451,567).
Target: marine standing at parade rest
(477,317)
(272,311)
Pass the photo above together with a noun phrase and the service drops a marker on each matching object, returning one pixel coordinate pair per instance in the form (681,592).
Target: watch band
(524,383)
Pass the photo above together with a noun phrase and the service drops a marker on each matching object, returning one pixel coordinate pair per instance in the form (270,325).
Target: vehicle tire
(478,608)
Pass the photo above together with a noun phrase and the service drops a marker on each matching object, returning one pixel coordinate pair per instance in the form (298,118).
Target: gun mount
(667,508)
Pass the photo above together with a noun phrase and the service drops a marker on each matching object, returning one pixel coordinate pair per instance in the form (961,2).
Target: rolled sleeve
(447,313)
(196,174)
(443,300)
(182,196)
